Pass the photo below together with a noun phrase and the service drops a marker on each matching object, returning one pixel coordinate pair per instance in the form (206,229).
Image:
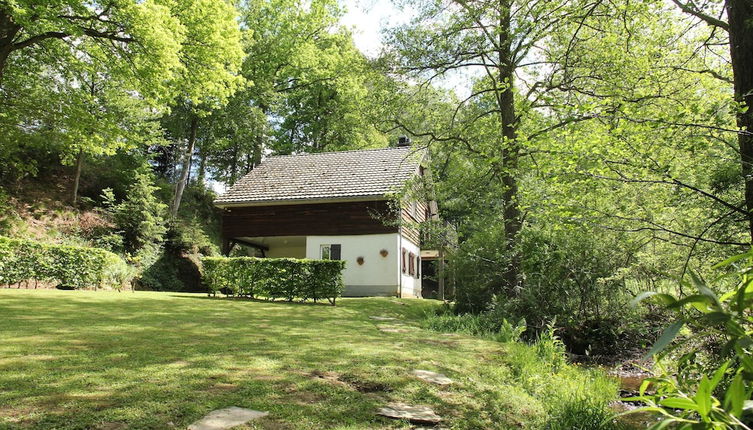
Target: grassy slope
(76,359)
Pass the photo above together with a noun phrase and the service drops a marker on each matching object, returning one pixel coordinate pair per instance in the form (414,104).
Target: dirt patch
(112,426)
(15,414)
(439,342)
(330,377)
(268,423)
(365,385)
(351,381)
(222,387)
(303,398)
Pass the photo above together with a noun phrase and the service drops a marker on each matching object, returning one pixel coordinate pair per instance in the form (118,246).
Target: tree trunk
(740,15)
(258,146)
(8,32)
(77,178)
(200,177)
(234,165)
(181,185)
(510,151)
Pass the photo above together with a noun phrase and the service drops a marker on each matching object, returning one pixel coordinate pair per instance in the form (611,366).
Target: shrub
(69,266)
(140,217)
(274,278)
(568,275)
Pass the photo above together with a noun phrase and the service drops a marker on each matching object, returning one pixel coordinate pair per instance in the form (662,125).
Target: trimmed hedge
(274,278)
(70,266)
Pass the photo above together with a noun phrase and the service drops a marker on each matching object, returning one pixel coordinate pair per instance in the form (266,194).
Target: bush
(69,266)
(274,278)
(140,218)
(571,276)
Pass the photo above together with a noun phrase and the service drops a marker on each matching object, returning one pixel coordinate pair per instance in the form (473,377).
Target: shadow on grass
(253,300)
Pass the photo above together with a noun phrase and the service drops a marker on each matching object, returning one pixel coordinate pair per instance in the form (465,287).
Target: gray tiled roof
(328,175)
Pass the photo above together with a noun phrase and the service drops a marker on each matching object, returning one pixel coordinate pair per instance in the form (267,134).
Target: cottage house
(335,205)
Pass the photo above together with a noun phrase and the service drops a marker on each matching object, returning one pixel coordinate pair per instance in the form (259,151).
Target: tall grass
(575,398)
(487,325)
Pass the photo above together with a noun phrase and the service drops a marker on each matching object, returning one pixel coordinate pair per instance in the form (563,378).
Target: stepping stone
(414,414)
(222,419)
(377,318)
(433,377)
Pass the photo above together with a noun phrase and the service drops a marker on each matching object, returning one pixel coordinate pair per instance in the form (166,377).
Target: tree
(141,37)
(211,62)
(495,42)
(740,34)
(140,217)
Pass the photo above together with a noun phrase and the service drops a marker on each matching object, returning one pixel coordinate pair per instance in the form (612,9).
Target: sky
(367,18)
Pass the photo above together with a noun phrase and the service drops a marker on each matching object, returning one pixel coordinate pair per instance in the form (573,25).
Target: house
(335,205)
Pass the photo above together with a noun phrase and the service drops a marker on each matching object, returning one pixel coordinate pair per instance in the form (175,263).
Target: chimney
(403,141)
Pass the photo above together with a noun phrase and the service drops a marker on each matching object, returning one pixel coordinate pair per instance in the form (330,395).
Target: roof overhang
(372,198)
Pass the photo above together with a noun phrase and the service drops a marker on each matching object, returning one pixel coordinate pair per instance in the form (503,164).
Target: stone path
(222,419)
(414,414)
(433,377)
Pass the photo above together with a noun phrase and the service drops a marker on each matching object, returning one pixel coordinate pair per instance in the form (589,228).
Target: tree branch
(708,19)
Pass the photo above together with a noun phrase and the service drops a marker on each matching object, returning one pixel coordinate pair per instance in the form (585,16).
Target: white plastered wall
(411,286)
(378,275)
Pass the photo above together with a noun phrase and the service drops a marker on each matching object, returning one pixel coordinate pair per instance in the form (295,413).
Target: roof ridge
(389,148)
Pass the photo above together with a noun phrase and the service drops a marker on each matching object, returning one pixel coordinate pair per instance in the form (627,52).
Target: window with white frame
(330,251)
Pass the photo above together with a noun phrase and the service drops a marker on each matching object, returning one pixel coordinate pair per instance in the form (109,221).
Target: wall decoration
(384,253)
(359,260)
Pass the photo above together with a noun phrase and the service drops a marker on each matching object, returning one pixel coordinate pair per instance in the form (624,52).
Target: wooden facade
(342,218)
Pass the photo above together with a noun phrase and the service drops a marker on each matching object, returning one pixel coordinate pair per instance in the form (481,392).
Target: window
(330,252)
(418,267)
(403,262)
(412,265)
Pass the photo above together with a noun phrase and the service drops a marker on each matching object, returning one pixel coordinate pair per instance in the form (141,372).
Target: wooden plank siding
(343,218)
(411,218)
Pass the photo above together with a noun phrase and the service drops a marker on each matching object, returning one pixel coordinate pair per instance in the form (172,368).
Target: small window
(330,251)
(403,262)
(412,264)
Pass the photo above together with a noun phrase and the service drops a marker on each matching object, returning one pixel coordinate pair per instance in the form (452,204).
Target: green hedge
(69,266)
(274,278)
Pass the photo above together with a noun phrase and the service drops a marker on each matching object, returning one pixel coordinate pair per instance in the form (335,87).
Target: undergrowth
(577,398)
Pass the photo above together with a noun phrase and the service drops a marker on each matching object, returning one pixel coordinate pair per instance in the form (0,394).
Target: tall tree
(739,27)
(210,75)
(495,43)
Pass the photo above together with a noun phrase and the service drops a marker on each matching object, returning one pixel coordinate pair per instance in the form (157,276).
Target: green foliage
(169,272)
(718,395)
(550,348)
(571,276)
(487,324)
(68,266)
(275,278)
(140,216)
(583,414)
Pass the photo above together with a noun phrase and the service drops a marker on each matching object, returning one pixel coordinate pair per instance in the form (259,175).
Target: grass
(108,360)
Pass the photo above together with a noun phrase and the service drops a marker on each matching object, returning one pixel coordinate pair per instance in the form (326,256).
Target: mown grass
(83,360)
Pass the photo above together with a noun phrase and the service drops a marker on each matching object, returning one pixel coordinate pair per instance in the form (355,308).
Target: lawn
(108,360)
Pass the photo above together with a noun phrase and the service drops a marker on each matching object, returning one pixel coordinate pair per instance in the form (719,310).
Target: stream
(630,384)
